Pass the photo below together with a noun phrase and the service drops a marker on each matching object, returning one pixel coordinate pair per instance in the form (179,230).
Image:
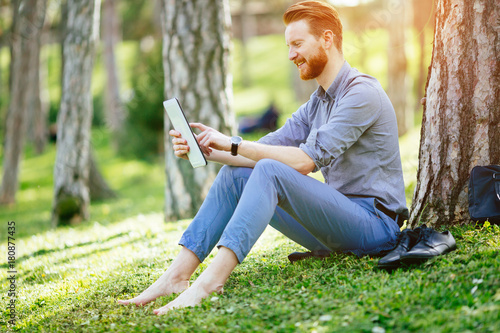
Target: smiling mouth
(300,63)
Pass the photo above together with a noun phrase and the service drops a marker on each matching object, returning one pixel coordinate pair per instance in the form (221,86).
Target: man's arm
(294,157)
(291,156)
(225,157)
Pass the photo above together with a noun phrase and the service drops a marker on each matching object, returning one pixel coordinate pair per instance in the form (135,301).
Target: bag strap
(496,179)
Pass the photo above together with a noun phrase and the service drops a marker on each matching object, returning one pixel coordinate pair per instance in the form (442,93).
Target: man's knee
(274,171)
(267,163)
(270,166)
(232,173)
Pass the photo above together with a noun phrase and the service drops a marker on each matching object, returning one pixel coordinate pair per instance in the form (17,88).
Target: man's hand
(211,138)
(181,147)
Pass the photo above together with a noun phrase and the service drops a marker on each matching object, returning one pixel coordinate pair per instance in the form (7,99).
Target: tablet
(180,123)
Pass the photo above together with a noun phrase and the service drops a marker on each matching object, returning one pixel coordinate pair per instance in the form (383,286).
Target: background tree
(195,60)
(28,17)
(461,122)
(396,59)
(38,99)
(71,171)
(423,19)
(110,31)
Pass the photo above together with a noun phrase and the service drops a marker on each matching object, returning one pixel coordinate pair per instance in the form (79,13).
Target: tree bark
(26,27)
(71,171)
(396,56)
(423,19)
(461,123)
(110,30)
(195,60)
(38,101)
(98,187)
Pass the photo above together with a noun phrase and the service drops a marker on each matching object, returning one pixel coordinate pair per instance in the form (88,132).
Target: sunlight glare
(348,3)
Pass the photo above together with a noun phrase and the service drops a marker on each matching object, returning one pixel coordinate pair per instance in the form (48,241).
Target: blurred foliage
(142,136)
(270,76)
(139,19)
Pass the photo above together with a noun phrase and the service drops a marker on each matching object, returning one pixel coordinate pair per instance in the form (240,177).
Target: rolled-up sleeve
(356,111)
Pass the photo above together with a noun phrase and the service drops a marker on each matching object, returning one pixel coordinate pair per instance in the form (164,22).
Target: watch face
(236,140)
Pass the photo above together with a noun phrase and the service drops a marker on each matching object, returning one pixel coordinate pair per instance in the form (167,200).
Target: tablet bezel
(193,150)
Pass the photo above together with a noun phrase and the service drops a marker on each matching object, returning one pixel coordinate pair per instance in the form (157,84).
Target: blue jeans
(243,201)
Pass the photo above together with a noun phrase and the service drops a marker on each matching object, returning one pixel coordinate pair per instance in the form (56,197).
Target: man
(347,130)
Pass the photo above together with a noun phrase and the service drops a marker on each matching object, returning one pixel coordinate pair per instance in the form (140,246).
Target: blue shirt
(351,134)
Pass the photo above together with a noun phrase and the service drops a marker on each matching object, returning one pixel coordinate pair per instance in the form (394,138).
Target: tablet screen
(180,123)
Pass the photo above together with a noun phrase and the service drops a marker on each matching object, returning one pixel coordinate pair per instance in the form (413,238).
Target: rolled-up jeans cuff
(190,245)
(235,248)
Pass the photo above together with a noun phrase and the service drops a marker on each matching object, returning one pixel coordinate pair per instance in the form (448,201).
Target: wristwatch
(235,143)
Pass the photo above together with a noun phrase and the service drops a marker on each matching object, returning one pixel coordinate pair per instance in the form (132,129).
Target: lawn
(70,280)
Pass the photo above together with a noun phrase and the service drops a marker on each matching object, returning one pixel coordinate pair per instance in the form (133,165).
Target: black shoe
(430,244)
(322,254)
(406,240)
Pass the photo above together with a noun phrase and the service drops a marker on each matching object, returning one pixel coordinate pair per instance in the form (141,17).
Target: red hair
(319,15)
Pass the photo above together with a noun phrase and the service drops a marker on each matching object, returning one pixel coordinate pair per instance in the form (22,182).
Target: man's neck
(332,69)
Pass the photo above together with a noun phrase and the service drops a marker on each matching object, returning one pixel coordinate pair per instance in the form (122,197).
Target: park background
(70,276)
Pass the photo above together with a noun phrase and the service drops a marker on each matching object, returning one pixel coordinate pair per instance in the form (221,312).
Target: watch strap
(234,149)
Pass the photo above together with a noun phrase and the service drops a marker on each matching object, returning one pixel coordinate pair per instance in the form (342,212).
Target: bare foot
(164,286)
(190,297)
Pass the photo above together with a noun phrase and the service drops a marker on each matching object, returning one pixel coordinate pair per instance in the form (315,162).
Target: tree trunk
(71,171)
(195,61)
(98,187)
(110,29)
(38,101)
(423,19)
(396,56)
(461,123)
(26,27)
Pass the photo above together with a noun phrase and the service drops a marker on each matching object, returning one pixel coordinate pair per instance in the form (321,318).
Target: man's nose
(292,54)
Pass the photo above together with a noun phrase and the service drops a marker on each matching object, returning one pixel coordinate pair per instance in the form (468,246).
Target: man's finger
(205,141)
(199,126)
(206,150)
(179,141)
(181,150)
(174,133)
(201,136)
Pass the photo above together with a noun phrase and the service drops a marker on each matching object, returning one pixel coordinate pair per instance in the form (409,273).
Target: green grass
(70,280)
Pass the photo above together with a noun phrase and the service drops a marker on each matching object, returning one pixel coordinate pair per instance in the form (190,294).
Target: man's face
(306,52)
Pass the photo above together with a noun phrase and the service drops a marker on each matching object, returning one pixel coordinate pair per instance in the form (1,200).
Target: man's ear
(328,37)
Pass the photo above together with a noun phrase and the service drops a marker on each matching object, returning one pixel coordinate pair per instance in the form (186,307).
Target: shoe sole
(420,259)
(388,267)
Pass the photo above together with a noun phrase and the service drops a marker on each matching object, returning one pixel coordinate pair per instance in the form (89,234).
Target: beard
(314,66)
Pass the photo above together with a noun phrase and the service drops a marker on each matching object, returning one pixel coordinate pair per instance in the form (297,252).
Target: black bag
(484,193)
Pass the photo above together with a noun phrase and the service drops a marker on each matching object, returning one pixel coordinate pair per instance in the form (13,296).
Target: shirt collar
(333,90)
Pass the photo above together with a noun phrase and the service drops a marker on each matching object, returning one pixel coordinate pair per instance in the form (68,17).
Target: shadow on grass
(66,247)
(28,275)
